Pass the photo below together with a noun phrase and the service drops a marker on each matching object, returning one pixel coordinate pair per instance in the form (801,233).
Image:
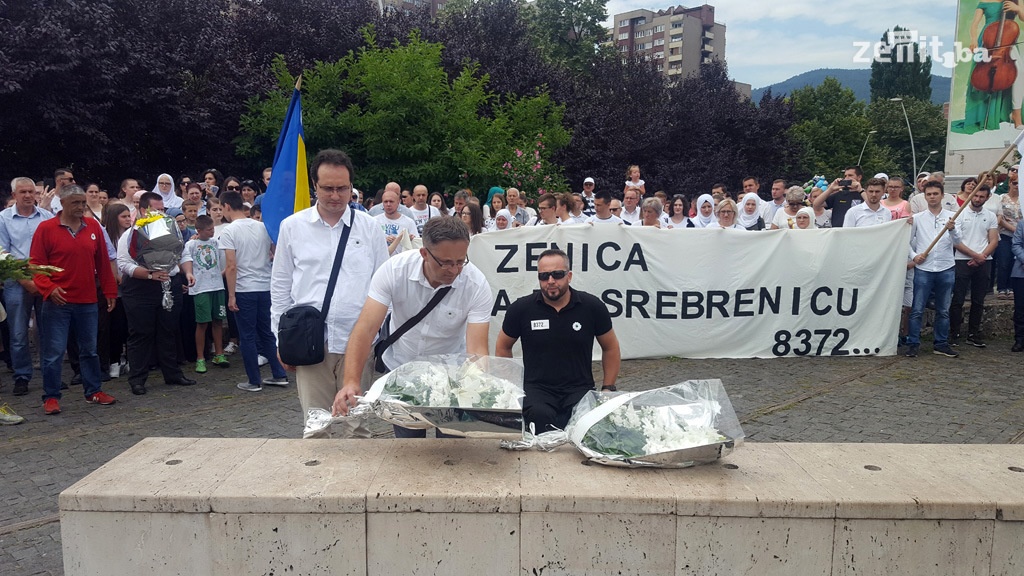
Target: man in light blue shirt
(17,225)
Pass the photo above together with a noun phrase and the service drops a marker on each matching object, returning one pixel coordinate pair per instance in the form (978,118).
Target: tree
(927,125)
(901,69)
(401,117)
(569,31)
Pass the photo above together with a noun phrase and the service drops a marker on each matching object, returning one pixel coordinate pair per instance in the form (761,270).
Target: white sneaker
(8,417)
(115,370)
(231,348)
(249,387)
(262,360)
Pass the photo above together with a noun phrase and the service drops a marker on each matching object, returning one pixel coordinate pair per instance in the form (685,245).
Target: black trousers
(1018,309)
(548,409)
(151,328)
(976,280)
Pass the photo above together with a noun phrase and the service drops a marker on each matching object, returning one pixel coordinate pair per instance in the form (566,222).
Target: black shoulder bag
(300,332)
(385,341)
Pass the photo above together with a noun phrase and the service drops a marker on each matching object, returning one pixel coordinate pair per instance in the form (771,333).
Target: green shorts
(209,306)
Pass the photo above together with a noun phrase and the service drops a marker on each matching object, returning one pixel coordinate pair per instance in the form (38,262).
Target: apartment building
(680,39)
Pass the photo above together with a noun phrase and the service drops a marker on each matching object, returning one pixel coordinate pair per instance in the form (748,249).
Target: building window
(659,42)
(675,65)
(638,34)
(641,21)
(623,23)
(659,55)
(677,24)
(660,28)
(644,46)
(624,36)
(676,38)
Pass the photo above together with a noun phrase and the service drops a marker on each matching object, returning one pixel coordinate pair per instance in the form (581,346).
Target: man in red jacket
(76,245)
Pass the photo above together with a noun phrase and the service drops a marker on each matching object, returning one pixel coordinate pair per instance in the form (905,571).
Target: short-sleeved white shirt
(861,216)
(207,265)
(973,228)
(251,243)
(401,285)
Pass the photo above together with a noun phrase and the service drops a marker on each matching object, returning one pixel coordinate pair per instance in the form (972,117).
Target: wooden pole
(990,175)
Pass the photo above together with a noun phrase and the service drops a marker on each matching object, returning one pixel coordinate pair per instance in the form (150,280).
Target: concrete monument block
(725,546)
(868,547)
(1007,551)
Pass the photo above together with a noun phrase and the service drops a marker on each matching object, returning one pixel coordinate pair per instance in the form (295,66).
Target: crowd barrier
(453,507)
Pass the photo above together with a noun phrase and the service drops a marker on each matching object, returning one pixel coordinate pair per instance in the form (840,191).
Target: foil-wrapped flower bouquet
(461,396)
(157,245)
(676,426)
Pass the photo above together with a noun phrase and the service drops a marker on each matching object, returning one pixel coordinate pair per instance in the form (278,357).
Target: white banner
(719,293)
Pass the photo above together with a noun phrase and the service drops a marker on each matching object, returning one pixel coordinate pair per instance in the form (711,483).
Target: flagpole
(984,176)
(298,82)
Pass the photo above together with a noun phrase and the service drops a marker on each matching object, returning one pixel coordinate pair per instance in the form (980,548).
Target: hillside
(857,80)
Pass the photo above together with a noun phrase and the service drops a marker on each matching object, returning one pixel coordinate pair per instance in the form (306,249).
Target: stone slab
(565,481)
(302,477)
(446,476)
(995,472)
(890,481)
(868,547)
(161,475)
(412,543)
(725,546)
(754,481)
(138,543)
(1007,550)
(584,544)
(299,544)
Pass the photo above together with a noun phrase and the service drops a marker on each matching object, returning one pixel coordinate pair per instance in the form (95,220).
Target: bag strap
(337,265)
(438,296)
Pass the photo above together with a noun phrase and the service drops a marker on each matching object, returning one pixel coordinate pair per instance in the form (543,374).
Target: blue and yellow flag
(288,191)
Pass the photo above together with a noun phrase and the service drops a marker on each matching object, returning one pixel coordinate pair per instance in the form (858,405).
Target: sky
(771,41)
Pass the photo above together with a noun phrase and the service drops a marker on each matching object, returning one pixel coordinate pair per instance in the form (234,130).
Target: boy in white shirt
(202,265)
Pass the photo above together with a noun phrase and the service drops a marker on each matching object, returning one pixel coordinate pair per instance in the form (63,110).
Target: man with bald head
(421,211)
(378,208)
(392,221)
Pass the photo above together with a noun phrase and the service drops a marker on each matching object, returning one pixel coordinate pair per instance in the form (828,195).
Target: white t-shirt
(207,265)
(395,227)
(861,215)
(420,217)
(401,285)
(613,219)
(769,210)
(630,217)
(251,243)
(784,221)
(973,228)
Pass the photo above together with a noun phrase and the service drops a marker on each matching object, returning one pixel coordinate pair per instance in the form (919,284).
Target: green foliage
(832,126)
(401,117)
(927,124)
(906,74)
(569,31)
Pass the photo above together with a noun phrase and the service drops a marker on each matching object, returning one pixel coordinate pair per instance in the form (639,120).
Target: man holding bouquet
(558,326)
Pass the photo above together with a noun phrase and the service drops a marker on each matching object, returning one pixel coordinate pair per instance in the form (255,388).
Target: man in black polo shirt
(558,326)
(842,194)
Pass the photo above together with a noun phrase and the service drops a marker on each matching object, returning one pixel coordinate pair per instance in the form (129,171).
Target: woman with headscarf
(705,211)
(165,188)
(488,213)
(502,221)
(750,212)
(726,214)
(805,218)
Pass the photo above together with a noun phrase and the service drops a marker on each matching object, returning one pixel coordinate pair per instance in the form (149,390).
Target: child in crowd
(190,208)
(203,268)
(633,181)
(256,213)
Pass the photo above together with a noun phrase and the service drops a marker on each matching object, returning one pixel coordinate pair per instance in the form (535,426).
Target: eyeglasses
(233,188)
(726,212)
(185,183)
(332,189)
(544,207)
(448,265)
(616,209)
(556,274)
(1013,169)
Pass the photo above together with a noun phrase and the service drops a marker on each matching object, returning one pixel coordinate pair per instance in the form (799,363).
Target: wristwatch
(611,388)
(149,276)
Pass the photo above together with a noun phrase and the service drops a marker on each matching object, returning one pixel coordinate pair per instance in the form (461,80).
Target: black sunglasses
(556,274)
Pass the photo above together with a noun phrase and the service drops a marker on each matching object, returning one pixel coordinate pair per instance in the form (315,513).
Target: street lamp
(913,153)
(925,163)
(862,148)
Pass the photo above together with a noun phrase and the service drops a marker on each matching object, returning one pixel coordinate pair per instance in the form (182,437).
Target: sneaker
(912,350)
(262,360)
(249,387)
(51,406)
(944,350)
(201,366)
(8,417)
(101,398)
(221,361)
(20,387)
(231,348)
(275,381)
(975,341)
(115,371)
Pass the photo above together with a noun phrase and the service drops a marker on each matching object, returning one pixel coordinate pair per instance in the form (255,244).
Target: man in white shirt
(576,211)
(979,237)
(407,283)
(378,208)
(603,210)
(421,211)
(392,222)
(459,202)
(306,246)
(247,246)
(588,197)
(515,207)
(631,206)
(547,211)
(870,212)
(769,209)
(933,273)
(918,202)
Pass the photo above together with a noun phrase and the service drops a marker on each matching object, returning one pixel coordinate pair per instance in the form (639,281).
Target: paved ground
(976,398)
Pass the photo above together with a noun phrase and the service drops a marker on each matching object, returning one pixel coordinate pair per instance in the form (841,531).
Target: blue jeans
(926,284)
(19,304)
(254,335)
(56,322)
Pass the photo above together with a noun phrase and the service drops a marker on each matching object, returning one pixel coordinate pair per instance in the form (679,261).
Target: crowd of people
(106,311)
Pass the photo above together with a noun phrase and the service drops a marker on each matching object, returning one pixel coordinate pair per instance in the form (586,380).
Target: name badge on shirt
(539,325)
